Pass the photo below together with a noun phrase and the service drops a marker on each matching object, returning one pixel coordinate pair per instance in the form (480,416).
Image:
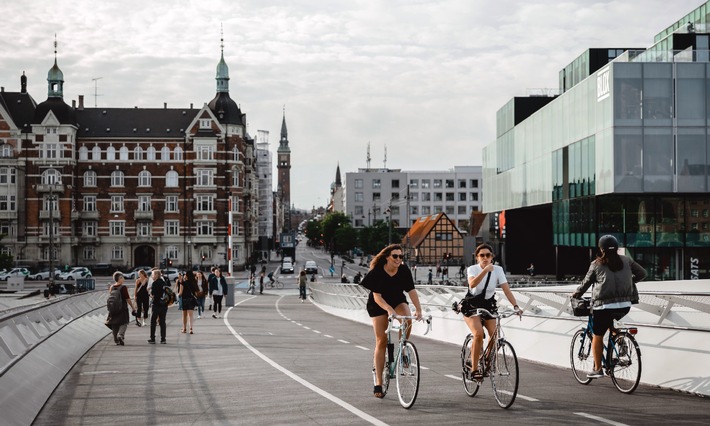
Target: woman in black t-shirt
(388,280)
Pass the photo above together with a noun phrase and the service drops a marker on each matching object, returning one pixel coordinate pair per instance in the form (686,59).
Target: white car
(311,267)
(44,274)
(287,268)
(75,273)
(15,272)
(134,273)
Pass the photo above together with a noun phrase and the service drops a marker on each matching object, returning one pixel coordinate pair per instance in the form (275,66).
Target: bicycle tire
(504,374)
(469,384)
(580,356)
(407,373)
(279,285)
(625,360)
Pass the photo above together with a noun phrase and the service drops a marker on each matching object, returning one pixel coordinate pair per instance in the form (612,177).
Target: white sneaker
(595,374)
(199,316)
(214,316)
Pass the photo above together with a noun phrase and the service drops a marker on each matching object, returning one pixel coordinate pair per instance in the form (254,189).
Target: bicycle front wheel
(469,385)
(580,356)
(504,374)
(625,363)
(279,284)
(407,371)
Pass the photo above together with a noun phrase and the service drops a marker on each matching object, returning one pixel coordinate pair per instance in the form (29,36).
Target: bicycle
(498,362)
(401,362)
(275,283)
(621,358)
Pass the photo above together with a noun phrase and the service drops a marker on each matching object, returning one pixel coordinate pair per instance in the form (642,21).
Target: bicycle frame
(402,328)
(609,349)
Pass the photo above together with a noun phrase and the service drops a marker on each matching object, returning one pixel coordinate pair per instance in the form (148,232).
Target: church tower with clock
(283,154)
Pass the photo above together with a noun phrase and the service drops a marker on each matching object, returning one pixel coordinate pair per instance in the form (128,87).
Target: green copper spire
(222,71)
(55,77)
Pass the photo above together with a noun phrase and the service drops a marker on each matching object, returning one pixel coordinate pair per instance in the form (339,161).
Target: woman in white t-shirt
(478,276)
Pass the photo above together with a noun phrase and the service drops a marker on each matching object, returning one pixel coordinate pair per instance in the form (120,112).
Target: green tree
(313,231)
(330,224)
(345,238)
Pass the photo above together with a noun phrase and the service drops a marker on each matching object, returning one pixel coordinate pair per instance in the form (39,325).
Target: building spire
(338,180)
(283,144)
(55,77)
(222,68)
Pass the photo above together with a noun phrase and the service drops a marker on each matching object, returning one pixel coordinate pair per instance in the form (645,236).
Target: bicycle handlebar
(504,314)
(392,317)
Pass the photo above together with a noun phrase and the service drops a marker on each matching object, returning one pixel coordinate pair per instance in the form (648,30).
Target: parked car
(105,269)
(76,273)
(134,273)
(15,272)
(287,268)
(170,275)
(44,274)
(311,267)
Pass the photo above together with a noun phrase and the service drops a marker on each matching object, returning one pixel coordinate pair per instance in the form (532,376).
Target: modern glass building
(622,150)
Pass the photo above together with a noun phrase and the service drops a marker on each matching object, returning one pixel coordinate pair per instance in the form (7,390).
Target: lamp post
(51,201)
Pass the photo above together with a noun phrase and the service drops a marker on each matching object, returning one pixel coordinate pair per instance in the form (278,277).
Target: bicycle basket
(581,307)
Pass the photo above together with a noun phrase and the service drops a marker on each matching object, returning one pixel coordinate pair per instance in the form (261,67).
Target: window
(111,153)
(425,183)
(414,183)
(205,153)
(358,183)
(49,203)
(7,203)
(394,196)
(414,196)
(123,153)
(359,197)
(449,183)
(50,150)
(449,210)
(414,210)
(88,229)
(5,150)
(51,177)
(83,153)
(376,184)
(165,153)
(473,196)
(116,203)
(171,179)
(206,252)
(90,178)
(89,203)
(436,209)
(438,196)
(144,178)
(46,228)
(171,203)
(143,229)
(205,177)
(376,196)
(449,196)
(117,228)
(144,203)
(7,175)
(178,153)
(205,123)
(358,210)
(204,227)
(117,253)
(395,183)
(462,196)
(171,252)
(395,210)
(205,203)
(462,183)
(117,178)
(236,155)
(426,210)
(462,210)
(151,153)
(172,227)
(426,196)
(89,253)
(474,183)
(437,183)
(235,177)
(96,153)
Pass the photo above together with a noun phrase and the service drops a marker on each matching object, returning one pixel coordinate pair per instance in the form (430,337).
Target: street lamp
(389,225)
(51,202)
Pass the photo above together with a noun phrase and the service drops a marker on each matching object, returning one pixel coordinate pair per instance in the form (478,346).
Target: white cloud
(425,78)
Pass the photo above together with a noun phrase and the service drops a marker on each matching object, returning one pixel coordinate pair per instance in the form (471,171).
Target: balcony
(89,239)
(145,239)
(44,214)
(56,188)
(143,214)
(89,215)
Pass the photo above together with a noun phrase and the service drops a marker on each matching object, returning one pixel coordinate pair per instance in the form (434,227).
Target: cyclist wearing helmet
(614,277)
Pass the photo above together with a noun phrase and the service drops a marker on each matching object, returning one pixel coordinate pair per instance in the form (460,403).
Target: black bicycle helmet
(608,242)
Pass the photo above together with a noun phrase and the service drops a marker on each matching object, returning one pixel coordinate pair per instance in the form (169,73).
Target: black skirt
(189,304)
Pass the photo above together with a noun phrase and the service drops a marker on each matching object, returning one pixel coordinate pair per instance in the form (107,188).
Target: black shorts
(374,310)
(603,319)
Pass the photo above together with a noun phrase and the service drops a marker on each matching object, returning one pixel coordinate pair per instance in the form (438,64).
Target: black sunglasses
(485,255)
(397,256)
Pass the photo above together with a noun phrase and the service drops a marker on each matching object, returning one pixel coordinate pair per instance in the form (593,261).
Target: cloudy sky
(423,78)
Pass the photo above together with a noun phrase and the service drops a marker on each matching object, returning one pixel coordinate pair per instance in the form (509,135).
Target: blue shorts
(603,319)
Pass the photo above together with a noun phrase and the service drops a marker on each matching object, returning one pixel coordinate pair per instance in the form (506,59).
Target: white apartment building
(374,195)
(264,168)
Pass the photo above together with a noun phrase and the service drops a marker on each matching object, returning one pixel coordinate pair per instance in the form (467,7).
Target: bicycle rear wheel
(279,284)
(469,385)
(626,363)
(504,374)
(580,356)
(407,369)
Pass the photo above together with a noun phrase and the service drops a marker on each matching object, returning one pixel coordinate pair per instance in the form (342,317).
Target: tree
(345,238)
(330,224)
(313,231)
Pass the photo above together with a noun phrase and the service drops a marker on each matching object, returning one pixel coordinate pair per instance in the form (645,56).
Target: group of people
(614,278)
(191,288)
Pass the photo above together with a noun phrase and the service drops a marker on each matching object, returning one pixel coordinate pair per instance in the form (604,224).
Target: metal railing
(23,329)
(667,309)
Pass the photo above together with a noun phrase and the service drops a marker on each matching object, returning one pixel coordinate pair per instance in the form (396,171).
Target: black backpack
(115,303)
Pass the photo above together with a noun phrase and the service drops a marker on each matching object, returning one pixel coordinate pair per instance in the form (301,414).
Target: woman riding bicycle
(484,276)
(615,291)
(388,279)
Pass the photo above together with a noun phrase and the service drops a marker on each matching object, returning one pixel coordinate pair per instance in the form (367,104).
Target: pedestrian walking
(117,303)
(201,294)
(189,300)
(142,298)
(218,289)
(159,307)
(302,281)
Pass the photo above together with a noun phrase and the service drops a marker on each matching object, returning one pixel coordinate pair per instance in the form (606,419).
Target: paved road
(274,360)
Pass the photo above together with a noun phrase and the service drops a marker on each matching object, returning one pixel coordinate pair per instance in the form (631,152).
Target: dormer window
(205,124)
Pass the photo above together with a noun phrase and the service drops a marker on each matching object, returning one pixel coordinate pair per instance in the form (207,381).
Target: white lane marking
(307,328)
(328,336)
(527,398)
(316,331)
(453,377)
(423,368)
(600,419)
(91,373)
(343,341)
(363,415)
(363,348)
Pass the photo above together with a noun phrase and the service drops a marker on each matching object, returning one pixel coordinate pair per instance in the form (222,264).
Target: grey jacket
(612,287)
